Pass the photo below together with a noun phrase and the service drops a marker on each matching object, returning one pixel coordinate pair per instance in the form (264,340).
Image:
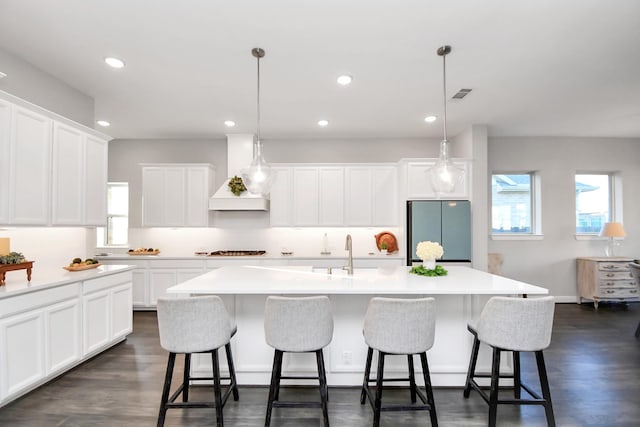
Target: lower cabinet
(44,333)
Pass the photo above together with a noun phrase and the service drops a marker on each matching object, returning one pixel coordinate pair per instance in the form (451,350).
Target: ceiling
(536,68)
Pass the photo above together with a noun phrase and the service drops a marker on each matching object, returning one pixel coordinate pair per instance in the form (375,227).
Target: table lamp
(612,230)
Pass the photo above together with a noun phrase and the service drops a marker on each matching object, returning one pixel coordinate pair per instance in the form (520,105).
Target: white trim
(516,236)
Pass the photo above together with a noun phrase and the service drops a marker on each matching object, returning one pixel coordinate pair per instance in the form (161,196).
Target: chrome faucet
(349,247)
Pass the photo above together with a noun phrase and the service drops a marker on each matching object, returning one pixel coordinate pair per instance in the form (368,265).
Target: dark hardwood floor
(593,364)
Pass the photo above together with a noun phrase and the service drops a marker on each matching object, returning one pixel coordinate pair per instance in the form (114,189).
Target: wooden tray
(144,253)
(82,267)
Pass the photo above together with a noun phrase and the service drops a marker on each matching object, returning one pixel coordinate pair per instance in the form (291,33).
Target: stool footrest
(285,404)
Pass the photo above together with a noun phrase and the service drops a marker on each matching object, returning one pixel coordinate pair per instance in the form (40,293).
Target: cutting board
(5,245)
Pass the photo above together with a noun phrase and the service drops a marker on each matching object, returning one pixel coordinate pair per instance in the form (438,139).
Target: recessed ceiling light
(430,119)
(229,123)
(323,123)
(114,62)
(344,79)
(103,123)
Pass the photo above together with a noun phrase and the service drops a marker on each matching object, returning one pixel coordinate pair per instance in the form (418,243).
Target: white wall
(551,262)
(38,87)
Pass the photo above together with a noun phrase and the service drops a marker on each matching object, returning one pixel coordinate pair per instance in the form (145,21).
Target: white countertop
(302,280)
(17,284)
(247,258)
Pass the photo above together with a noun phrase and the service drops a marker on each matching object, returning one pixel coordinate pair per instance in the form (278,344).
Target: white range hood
(239,156)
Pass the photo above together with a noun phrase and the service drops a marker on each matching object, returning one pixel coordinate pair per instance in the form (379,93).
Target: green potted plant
(383,248)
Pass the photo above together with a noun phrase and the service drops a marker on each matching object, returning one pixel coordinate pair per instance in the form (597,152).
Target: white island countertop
(259,280)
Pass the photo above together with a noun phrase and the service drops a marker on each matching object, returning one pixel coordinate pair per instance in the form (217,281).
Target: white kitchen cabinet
(159,282)
(30,168)
(68,175)
(371,196)
(176,195)
(305,196)
(107,311)
(23,345)
(95,180)
(140,288)
(419,185)
(5,159)
(331,196)
(281,206)
(63,324)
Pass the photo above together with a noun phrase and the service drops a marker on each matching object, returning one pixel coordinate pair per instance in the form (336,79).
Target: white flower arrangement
(429,250)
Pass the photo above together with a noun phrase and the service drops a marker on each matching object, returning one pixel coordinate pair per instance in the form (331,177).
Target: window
(594,202)
(514,204)
(116,233)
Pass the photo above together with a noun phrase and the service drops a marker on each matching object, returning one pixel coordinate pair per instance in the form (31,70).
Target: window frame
(615,201)
(535,210)
(105,230)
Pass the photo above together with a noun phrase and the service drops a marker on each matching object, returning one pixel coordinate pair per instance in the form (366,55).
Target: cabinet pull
(633,291)
(609,266)
(610,275)
(610,291)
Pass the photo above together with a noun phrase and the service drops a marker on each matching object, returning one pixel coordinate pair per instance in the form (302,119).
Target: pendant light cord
(444,93)
(258,97)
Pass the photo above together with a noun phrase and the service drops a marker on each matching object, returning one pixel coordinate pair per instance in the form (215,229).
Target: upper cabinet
(336,196)
(52,171)
(176,195)
(419,186)
(79,177)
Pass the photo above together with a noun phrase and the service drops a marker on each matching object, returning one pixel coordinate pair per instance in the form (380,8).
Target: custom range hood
(239,156)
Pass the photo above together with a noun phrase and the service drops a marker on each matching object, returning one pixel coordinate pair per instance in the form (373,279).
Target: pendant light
(444,174)
(259,176)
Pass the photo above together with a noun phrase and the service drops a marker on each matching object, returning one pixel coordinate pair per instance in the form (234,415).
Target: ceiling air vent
(461,94)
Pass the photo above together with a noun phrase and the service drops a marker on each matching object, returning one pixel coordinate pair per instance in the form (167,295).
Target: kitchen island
(459,296)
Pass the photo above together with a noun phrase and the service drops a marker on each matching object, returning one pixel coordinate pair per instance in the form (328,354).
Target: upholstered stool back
(400,326)
(193,324)
(298,324)
(520,324)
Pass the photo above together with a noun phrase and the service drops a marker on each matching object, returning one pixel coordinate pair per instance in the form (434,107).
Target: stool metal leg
(544,385)
(429,390)
(275,380)
(412,378)
(166,389)
(232,372)
(216,387)
(517,383)
(185,377)
(378,400)
(367,375)
(322,378)
(495,379)
(472,365)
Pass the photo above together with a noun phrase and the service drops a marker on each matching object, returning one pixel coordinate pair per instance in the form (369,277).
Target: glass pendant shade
(258,177)
(444,175)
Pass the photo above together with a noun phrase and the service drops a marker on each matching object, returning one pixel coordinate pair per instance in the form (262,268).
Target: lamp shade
(612,229)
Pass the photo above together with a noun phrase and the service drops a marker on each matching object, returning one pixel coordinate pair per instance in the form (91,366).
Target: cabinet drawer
(619,293)
(614,275)
(617,284)
(613,266)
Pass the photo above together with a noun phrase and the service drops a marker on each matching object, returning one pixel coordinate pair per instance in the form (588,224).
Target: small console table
(26,265)
(605,278)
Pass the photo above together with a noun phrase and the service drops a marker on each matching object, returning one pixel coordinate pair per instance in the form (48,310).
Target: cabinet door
(159,281)
(5,159)
(174,199)
(456,230)
(152,196)
(68,175)
(305,196)
(63,326)
(140,291)
(331,196)
(281,209)
(197,197)
(97,320)
(30,167)
(23,350)
(385,196)
(95,179)
(359,196)
(121,311)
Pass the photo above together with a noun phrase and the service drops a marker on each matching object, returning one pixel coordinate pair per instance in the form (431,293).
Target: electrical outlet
(347,357)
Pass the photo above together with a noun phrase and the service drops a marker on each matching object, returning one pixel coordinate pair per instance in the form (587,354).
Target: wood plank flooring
(593,364)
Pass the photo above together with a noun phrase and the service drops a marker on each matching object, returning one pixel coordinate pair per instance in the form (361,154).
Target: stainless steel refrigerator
(447,222)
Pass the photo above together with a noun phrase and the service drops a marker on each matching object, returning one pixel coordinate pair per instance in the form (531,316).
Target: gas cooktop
(232,253)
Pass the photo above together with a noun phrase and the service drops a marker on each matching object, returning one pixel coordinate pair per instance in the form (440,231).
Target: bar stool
(516,325)
(195,325)
(297,325)
(394,326)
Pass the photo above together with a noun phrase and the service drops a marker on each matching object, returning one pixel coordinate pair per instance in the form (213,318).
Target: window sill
(516,236)
(592,237)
